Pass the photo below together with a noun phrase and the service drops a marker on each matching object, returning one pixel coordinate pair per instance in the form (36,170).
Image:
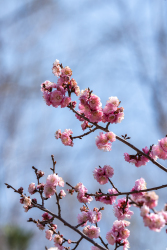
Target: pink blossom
(27,201)
(56,98)
(82,190)
(31,188)
(83,217)
(151,199)
(59,247)
(140,184)
(95,116)
(94,102)
(47,86)
(61,182)
(62,193)
(49,234)
(84,96)
(99,175)
(47,98)
(121,210)
(66,71)
(52,180)
(84,125)
(144,210)
(56,68)
(109,171)
(46,216)
(102,141)
(65,102)
(92,232)
(58,134)
(160,149)
(66,137)
(94,216)
(154,221)
(49,190)
(40,226)
(108,200)
(58,239)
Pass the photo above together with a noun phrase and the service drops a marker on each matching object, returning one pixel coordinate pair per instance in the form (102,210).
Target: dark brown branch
(58,204)
(114,186)
(77,243)
(128,193)
(80,136)
(106,245)
(54,163)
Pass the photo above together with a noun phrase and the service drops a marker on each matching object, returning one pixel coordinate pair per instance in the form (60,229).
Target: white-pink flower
(31,188)
(92,232)
(49,234)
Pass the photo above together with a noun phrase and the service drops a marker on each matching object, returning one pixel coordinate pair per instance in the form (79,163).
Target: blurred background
(116,48)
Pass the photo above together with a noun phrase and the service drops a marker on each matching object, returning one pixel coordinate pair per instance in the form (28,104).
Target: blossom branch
(120,139)
(61,219)
(128,193)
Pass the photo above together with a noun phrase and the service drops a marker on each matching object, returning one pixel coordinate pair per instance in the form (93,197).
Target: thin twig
(80,136)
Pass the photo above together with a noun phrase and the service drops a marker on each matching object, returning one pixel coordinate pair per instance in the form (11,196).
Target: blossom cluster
(82,196)
(55,93)
(103,141)
(102,174)
(119,233)
(65,137)
(155,151)
(111,112)
(89,215)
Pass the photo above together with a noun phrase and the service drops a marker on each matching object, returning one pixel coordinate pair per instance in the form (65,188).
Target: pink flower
(94,102)
(99,175)
(92,232)
(49,190)
(84,125)
(140,184)
(66,137)
(58,134)
(66,71)
(83,217)
(49,234)
(108,200)
(61,182)
(84,96)
(27,201)
(102,141)
(52,180)
(65,102)
(109,171)
(56,98)
(144,210)
(151,199)
(31,188)
(121,210)
(82,190)
(58,239)
(46,216)
(154,221)
(95,116)
(102,174)
(62,193)
(56,68)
